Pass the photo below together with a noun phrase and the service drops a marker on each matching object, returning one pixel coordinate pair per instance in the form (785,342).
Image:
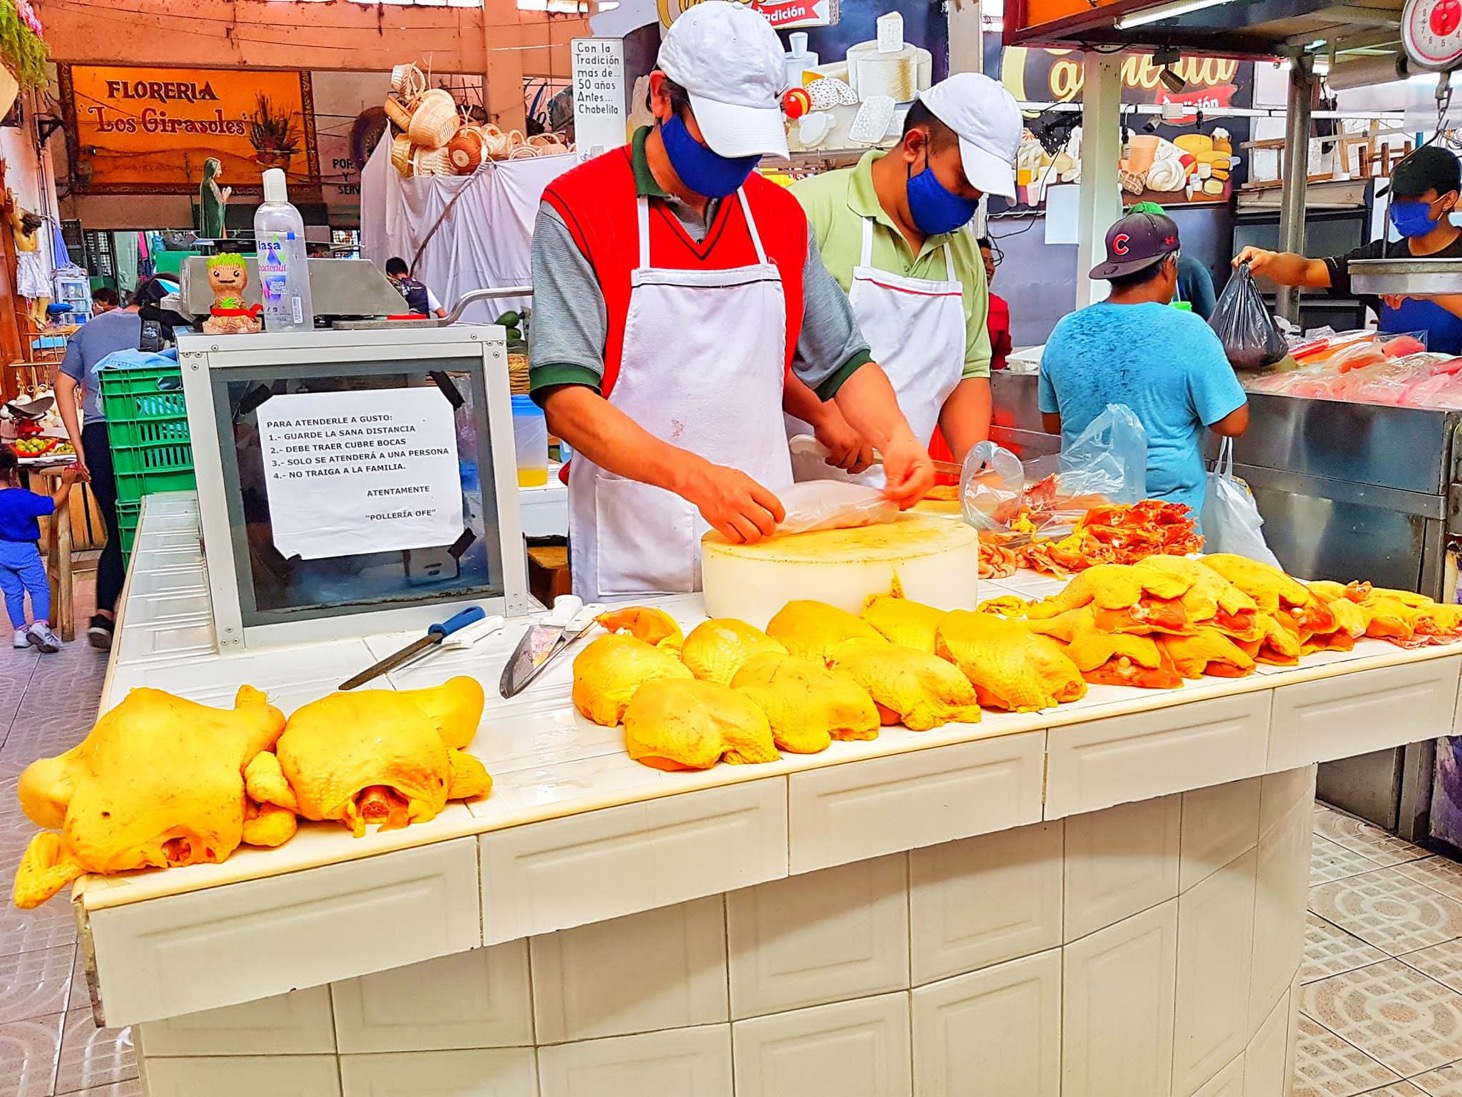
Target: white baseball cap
(730,61)
(987,120)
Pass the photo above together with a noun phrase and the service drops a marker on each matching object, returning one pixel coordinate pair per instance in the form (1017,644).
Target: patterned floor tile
(1388,910)
(1329,950)
(1327,1066)
(1446,1082)
(1441,874)
(1396,1015)
(92,1056)
(1440,962)
(34,984)
(49,926)
(28,1053)
(1365,839)
(1400,1089)
(1329,861)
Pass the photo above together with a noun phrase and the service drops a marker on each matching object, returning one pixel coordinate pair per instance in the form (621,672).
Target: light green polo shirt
(836,203)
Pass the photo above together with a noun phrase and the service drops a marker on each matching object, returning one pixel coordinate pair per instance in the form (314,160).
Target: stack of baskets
(433,137)
(147,424)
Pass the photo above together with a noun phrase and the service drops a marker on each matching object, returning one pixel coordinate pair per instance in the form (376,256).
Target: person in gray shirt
(119,329)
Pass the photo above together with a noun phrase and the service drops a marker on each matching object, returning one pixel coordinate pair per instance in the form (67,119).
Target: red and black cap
(1135,243)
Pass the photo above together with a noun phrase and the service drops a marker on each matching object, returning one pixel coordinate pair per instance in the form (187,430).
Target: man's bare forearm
(871,407)
(965,418)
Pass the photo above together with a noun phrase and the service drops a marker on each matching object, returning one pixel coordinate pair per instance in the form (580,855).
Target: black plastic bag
(1250,337)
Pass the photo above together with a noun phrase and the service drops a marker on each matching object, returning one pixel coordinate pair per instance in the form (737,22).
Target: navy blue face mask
(702,170)
(934,207)
(1412,218)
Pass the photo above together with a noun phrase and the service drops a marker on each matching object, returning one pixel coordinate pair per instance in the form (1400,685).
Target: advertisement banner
(782,14)
(151,130)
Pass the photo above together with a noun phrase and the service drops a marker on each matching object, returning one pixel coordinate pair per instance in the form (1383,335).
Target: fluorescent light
(1164,11)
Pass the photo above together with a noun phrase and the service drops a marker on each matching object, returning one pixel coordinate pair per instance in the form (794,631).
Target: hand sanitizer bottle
(284,274)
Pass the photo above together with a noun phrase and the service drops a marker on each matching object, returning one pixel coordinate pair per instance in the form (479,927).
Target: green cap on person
(1148,207)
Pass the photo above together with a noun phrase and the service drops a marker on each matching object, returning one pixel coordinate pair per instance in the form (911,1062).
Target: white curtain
(482,242)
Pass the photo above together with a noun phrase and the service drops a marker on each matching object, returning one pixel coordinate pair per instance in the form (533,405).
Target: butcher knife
(569,619)
(808,446)
(434,635)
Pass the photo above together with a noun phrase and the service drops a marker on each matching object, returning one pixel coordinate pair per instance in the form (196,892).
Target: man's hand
(908,471)
(1258,259)
(846,448)
(735,505)
(1393,300)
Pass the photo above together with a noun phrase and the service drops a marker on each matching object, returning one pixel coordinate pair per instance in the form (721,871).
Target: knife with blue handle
(434,636)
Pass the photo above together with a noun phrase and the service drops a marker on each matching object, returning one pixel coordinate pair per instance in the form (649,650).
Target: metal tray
(1406,277)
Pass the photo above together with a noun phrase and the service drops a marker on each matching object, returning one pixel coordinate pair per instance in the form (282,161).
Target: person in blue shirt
(1135,349)
(21,570)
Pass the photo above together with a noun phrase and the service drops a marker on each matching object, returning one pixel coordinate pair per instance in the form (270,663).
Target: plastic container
(127,516)
(530,439)
(284,273)
(147,428)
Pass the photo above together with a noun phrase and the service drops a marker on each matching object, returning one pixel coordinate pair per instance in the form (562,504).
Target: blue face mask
(934,207)
(702,170)
(1412,218)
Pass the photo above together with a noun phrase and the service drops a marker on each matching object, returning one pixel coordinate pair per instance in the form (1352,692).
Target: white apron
(702,368)
(916,329)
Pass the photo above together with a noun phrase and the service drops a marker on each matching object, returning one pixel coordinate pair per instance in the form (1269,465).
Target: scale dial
(1431,31)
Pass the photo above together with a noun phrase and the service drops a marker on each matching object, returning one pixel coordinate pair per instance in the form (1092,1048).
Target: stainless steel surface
(338,287)
(1296,176)
(518,674)
(528,657)
(470,298)
(1414,806)
(1017,416)
(1414,277)
(1368,785)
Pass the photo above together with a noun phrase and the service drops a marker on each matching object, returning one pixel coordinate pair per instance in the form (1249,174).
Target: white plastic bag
(990,487)
(1231,518)
(1108,458)
(833,504)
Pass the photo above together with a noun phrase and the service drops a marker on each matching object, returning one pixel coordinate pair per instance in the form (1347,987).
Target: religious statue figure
(213,199)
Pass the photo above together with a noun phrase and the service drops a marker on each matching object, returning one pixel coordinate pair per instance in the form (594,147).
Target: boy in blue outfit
(21,570)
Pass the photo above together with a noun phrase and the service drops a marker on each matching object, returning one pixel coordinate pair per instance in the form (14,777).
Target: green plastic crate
(147,425)
(127,516)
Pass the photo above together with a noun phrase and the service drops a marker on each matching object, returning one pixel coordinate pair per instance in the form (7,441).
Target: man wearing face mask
(674,290)
(1424,192)
(889,230)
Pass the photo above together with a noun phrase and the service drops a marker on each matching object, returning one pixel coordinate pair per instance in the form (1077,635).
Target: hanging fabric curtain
(124,247)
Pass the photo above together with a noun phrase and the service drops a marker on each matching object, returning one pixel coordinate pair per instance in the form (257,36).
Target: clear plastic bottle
(284,273)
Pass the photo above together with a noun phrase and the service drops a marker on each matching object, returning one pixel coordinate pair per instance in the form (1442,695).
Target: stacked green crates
(147,425)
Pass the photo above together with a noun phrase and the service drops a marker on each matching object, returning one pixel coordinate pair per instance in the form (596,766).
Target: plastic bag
(990,487)
(1108,459)
(1244,325)
(833,504)
(1231,519)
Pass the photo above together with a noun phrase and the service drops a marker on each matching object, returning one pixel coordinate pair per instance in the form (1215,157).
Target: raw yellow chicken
(901,621)
(1207,652)
(1117,658)
(158,783)
(813,629)
(1274,591)
(1114,586)
(806,704)
(1211,599)
(715,650)
(654,626)
(687,724)
(609,671)
(909,686)
(1010,667)
(391,757)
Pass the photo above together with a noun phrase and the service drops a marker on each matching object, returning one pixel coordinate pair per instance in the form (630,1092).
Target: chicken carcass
(683,723)
(806,704)
(715,650)
(1010,667)
(909,686)
(813,629)
(609,671)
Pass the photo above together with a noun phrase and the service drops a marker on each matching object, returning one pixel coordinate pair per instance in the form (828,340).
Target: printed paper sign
(349,473)
(599,104)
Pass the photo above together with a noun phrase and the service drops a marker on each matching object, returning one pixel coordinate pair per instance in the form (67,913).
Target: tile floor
(1382,979)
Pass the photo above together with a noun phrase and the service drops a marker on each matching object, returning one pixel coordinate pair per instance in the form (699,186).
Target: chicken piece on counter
(1010,667)
(654,626)
(715,650)
(806,704)
(1280,646)
(158,783)
(1208,652)
(901,621)
(1007,605)
(1118,587)
(813,629)
(675,724)
(911,687)
(392,757)
(1274,591)
(1212,600)
(1122,659)
(609,671)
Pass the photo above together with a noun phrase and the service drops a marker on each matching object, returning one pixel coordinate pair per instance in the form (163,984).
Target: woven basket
(432,162)
(401,155)
(518,374)
(399,115)
(407,81)
(467,150)
(434,119)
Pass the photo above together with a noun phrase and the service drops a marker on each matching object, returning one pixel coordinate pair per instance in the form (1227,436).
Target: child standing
(21,570)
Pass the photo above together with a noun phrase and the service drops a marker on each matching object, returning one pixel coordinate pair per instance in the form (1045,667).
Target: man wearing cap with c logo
(889,230)
(1135,349)
(674,288)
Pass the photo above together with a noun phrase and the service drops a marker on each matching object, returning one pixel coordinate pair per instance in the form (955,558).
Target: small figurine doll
(227,278)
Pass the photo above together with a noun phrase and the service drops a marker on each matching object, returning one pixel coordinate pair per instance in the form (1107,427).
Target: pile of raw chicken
(1105,534)
(729,692)
(1368,368)
(162,782)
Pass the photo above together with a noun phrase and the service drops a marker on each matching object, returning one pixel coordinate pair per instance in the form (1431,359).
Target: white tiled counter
(1103,900)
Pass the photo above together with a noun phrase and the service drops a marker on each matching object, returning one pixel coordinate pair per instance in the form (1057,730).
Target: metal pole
(1100,200)
(1296,176)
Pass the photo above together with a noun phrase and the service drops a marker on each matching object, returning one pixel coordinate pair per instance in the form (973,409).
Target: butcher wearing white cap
(892,232)
(675,290)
